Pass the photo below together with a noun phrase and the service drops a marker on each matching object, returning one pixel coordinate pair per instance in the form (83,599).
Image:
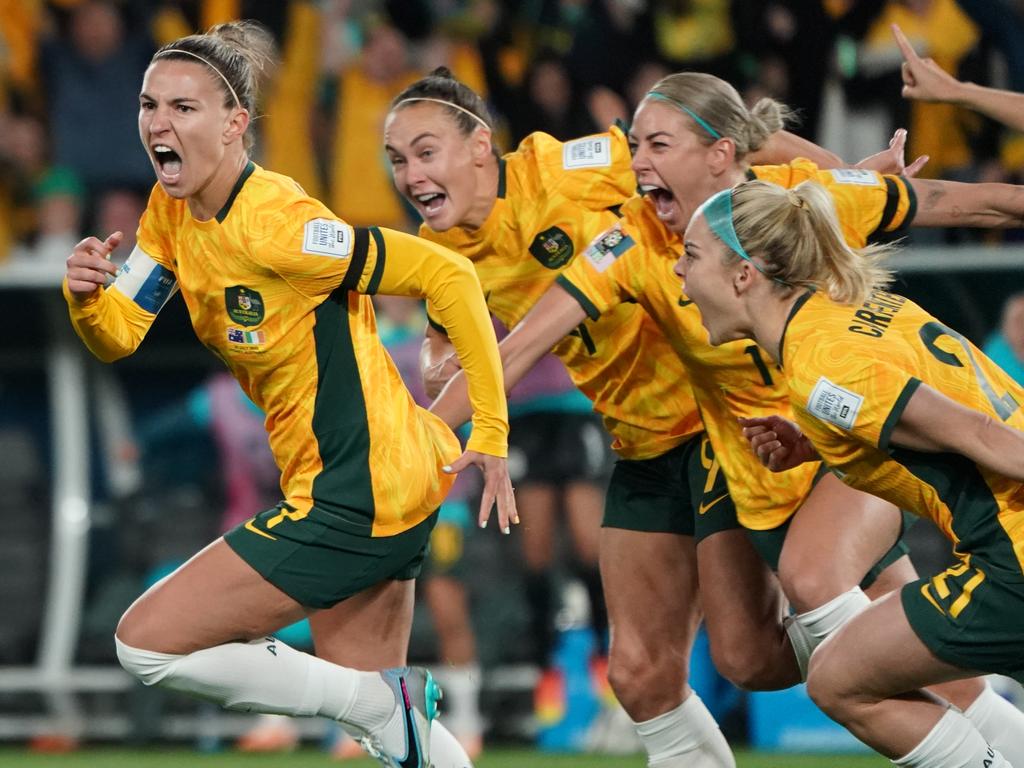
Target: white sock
(1001,723)
(266,676)
(808,630)
(953,743)
(461,704)
(685,737)
(445,749)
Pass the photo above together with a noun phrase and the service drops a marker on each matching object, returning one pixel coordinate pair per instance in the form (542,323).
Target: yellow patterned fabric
(552,198)
(868,204)
(851,371)
(633,262)
(277,287)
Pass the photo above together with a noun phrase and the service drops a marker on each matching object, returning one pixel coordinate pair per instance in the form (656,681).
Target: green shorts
(318,565)
(769,545)
(682,491)
(971,616)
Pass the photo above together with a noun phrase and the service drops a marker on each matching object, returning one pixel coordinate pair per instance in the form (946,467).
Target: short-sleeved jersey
(851,370)
(278,288)
(634,261)
(553,197)
(870,205)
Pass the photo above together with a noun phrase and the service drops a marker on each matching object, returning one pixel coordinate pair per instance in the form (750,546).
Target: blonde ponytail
(797,236)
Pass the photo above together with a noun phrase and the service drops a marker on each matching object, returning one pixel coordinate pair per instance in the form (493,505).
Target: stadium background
(88,510)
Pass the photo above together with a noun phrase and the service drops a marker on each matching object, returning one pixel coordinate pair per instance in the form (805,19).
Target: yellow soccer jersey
(851,371)
(552,198)
(277,287)
(633,262)
(869,204)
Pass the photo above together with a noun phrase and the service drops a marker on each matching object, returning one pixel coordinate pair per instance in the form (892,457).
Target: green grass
(496,758)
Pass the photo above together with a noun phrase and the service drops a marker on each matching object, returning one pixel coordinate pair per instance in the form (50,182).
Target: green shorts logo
(244,305)
(552,248)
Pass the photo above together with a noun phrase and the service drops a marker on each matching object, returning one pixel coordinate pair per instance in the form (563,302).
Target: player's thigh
(214,598)
(834,540)
(650,585)
(369,630)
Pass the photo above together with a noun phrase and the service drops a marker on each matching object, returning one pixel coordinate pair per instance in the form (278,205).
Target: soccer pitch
(495,758)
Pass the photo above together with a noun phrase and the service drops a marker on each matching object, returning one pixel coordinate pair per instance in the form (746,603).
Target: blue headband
(696,118)
(717,212)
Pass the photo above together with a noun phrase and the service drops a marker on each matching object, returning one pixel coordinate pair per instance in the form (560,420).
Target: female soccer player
(898,405)
(278,288)
(521,219)
(691,136)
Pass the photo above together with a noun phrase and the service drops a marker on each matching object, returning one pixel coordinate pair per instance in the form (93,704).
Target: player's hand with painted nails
(892,160)
(497,488)
(89,267)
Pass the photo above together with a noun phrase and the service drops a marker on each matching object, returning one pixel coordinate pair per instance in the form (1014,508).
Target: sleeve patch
(854,176)
(603,252)
(327,237)
(590,152)
(830,402)
(146,282)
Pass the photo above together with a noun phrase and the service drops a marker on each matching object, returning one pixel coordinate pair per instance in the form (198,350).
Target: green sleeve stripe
(897,412)
(588,306)
(378,268)
(912,209)
(357,263)
(892,202)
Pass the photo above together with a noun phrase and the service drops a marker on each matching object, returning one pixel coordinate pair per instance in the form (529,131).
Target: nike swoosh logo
(685,302)
(705,507)
(412,747)
(250,527)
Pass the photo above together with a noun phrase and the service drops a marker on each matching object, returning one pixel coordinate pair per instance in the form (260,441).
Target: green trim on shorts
(769,545)
(671,493)
(318,564)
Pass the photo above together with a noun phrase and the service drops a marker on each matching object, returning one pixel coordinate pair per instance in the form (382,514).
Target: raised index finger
(909,54)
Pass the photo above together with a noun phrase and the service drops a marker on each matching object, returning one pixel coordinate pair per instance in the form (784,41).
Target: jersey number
(755,355)
(1004,405)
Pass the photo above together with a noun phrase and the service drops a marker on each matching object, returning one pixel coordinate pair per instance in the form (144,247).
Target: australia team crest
(552,248)
(244,305)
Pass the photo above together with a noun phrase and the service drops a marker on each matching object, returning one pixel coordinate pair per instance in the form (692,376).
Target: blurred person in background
(356,108)
(98,57)
(1005,346)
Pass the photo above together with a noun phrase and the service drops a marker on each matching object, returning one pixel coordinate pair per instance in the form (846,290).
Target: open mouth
(664,201)
(169,163)
(430,203)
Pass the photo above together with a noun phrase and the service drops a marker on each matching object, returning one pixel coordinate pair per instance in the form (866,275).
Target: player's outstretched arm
(955,204)
(934,423)
(924,80)
(551,320)
(778,442)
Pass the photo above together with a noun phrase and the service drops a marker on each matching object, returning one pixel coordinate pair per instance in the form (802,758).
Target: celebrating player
(898,405)
(278,288)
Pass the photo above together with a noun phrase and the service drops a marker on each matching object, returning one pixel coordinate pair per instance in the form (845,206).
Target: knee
(638,675)
(149,667)
(806,588)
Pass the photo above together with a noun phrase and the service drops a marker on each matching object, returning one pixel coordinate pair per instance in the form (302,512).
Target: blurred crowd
(70,72)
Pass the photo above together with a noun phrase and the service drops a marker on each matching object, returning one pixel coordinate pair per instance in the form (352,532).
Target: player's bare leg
(861,676)
(650,584)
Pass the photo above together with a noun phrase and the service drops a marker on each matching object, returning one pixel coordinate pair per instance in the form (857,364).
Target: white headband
(475,116)
(207,63)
